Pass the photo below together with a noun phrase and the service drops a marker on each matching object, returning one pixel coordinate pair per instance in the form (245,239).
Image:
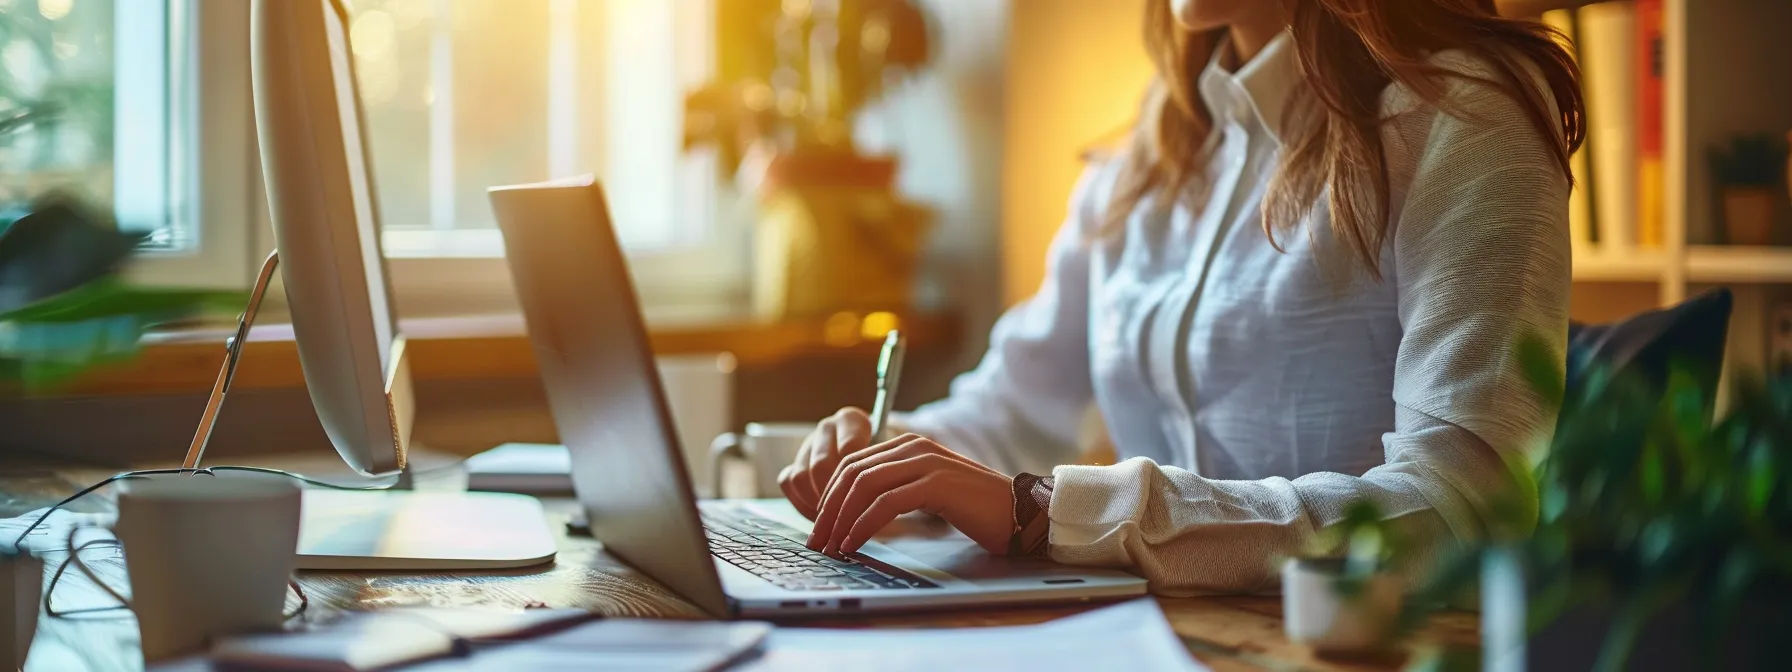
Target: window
(155,118)
(460,95)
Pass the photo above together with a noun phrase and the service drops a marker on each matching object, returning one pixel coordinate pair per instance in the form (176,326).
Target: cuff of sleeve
(1088,502)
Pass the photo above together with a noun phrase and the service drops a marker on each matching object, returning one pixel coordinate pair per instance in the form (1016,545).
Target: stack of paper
(1129,636)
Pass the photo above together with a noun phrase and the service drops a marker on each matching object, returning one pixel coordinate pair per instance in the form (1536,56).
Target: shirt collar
(1262,87)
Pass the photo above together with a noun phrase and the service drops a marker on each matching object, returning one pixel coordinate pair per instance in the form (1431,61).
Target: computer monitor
(326,222)
(316,165)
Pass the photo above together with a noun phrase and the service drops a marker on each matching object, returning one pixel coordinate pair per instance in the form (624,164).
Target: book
(1651,211)
(1580,203)
(1608,33)
(528,468)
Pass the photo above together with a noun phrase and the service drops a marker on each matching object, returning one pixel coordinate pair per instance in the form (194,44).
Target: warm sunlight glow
(373,34)
(55,9)
(841,330)
(408,14)
(877,325)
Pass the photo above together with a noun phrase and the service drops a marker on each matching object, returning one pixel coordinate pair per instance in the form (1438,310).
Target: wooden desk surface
(1226,633)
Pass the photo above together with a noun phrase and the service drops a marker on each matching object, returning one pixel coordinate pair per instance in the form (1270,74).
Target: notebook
(528,468)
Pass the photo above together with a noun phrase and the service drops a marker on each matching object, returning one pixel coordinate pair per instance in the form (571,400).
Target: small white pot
(1314,614)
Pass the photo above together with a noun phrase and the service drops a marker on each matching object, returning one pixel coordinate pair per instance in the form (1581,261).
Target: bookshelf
(1725,73)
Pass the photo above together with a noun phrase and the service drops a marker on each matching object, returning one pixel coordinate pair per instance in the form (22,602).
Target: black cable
(49,591)
(56,578)
(19,543)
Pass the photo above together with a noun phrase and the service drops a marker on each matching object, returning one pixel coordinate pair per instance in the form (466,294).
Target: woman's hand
(872,487)
(807,477)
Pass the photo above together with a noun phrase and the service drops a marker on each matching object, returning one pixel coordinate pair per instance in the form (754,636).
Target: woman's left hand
(873,486)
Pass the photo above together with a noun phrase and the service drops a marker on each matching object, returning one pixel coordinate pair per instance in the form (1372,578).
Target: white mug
(767,447)
(207,555)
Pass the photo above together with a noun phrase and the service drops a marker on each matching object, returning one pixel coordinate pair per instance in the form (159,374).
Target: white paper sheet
(1128,636)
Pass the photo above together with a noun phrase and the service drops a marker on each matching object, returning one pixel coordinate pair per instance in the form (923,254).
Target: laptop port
(849,603)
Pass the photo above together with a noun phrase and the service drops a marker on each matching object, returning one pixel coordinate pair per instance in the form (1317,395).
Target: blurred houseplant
(1664,540)
(1748,174)
(792,77)
(63,306)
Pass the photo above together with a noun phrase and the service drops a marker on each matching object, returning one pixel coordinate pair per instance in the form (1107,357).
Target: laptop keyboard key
(761,548)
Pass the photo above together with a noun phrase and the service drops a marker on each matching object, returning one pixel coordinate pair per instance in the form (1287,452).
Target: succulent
(1749,161)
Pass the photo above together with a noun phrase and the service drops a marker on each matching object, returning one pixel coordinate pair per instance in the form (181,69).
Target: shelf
(1738,264)
(1595,266)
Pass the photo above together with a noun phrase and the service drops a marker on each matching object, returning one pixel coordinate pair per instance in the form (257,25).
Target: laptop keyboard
(766,549)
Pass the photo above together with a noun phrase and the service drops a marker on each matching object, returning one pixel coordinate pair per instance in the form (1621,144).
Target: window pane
(85,107)
(462,95)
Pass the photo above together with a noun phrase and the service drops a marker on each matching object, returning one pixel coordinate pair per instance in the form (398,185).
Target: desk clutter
(1132,635)
(444,640)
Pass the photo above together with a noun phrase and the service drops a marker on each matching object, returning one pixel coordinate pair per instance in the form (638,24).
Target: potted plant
(65,308)
(832,233)
(1747,174)
(1343,597)
(1664,540)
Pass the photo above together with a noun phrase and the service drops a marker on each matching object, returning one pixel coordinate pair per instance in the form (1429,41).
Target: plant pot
(1668,640)
(1748,215)
(1335,622)
(833,236)
(23,576)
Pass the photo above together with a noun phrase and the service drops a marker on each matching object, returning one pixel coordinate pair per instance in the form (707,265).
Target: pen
(889,374)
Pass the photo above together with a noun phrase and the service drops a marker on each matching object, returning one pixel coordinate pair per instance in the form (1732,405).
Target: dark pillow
(1693,331)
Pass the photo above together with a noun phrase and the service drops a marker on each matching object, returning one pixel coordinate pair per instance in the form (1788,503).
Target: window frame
(468,276)
(212,177)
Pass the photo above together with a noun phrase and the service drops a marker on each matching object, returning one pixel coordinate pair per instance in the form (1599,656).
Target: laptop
(730,557)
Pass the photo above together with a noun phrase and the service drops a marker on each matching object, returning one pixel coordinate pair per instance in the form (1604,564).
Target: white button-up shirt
(1259,392)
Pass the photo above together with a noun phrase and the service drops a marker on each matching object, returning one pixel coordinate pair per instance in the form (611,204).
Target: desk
(1227,633)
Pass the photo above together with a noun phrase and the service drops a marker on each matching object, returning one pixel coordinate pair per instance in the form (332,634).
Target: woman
(1298,288)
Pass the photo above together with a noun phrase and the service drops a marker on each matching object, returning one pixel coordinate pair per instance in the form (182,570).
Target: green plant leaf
(111,296)
(1542,368)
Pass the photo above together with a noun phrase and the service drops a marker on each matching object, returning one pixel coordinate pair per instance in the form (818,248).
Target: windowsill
(488,347)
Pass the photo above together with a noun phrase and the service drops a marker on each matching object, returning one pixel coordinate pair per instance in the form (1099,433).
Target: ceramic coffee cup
(767,447)
(207,556)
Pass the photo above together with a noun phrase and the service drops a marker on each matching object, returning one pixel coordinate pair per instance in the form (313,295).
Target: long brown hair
(1350,51)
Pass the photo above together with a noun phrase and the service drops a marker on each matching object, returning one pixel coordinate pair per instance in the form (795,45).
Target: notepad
(529,468)
(447,640)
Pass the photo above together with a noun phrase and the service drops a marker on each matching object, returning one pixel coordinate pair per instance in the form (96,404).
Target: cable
(19,543)
(73,556)
(74,551)
(55,579)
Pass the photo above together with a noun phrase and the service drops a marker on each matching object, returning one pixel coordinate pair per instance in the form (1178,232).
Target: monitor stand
(421,530)
(399,528)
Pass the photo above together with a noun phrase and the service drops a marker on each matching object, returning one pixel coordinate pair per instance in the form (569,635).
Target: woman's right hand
(806,480)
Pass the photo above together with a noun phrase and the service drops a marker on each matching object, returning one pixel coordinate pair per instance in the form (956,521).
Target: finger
(787,481)
(843,478)
(872,483)
(857,456)
(855,431)
(821,457)
(920,494)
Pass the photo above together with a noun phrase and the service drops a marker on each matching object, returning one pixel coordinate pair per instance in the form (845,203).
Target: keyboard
(769,551)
